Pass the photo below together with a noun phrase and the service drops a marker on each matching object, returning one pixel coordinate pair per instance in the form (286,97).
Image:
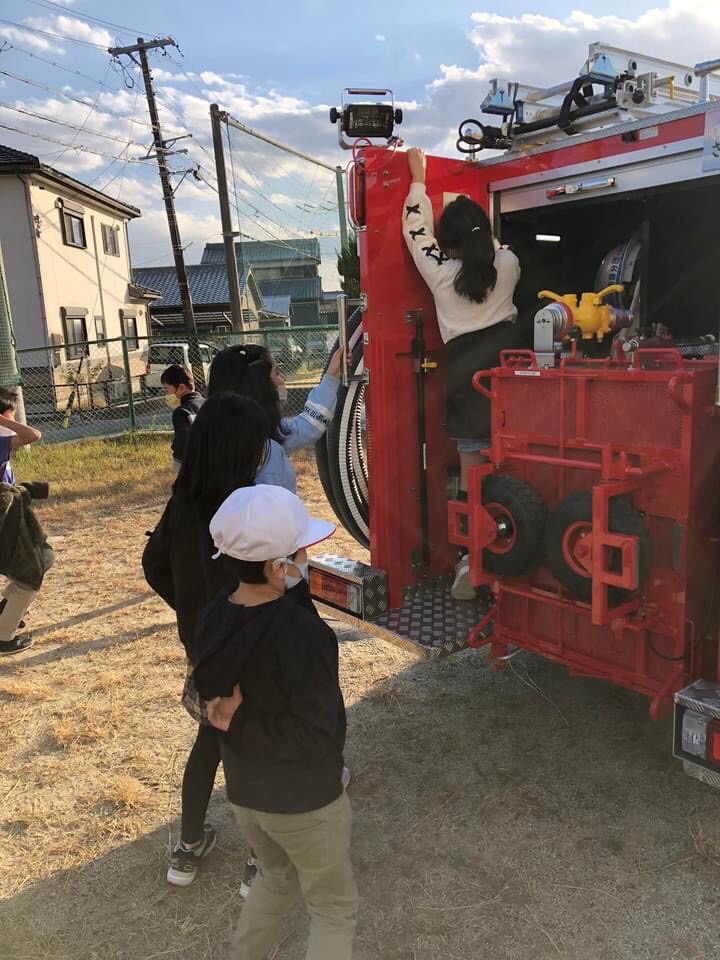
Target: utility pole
(339,186)
(238,321)
(162,151)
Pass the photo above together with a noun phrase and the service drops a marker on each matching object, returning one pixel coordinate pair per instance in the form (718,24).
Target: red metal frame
(641,432)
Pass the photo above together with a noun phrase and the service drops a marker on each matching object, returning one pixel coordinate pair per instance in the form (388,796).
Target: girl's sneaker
(462,589)
(184,861)
(345,778)
(248,876)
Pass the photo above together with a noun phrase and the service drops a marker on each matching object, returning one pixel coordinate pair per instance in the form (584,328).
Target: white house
(67,262)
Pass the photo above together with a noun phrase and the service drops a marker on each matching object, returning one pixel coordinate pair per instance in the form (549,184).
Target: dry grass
(484,827)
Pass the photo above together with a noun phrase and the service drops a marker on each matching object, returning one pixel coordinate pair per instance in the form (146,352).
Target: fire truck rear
(595,521)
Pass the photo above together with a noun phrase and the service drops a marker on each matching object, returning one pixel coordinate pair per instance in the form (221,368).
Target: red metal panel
(394,287)
(605,149)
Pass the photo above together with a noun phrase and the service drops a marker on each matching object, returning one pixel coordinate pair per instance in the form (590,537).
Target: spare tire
(570,522)
(340,453)
(520,514)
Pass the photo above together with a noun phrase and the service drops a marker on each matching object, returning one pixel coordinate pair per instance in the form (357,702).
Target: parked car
(286,350)
(164,353)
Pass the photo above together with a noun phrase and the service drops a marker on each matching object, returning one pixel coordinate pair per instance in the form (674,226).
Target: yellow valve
(590,314)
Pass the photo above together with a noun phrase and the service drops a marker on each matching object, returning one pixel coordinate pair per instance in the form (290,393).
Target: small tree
(348,266)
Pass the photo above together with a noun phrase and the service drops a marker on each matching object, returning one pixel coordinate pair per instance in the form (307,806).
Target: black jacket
(182,420)
(178,565)
(283,752)
(22,540)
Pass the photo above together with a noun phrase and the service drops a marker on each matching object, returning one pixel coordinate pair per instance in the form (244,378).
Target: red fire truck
(596,520)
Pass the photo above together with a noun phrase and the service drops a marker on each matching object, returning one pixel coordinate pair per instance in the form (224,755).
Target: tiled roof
(14,158)
(208,283)
(304,288)
(264,251)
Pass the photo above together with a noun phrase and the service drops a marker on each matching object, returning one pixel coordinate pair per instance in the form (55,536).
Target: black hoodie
(182,419)
(283,752)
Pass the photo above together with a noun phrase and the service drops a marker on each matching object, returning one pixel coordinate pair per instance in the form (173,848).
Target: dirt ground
(491,820)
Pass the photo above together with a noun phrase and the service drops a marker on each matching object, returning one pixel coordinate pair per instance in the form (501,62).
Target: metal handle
(343,301)
(568,189)
(479,386)
(366,92)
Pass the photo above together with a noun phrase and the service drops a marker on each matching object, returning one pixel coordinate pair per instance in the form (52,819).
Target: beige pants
(17,599)
(298,854)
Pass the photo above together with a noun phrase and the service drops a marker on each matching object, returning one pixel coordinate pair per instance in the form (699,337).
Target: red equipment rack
(645,432)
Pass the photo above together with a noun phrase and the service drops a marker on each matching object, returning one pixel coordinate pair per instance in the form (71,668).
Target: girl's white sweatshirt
(456,315)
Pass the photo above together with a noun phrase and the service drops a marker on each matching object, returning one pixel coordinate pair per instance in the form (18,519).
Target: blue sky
(277,66)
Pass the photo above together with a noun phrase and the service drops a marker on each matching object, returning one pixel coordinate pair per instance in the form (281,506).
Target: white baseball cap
(265,523)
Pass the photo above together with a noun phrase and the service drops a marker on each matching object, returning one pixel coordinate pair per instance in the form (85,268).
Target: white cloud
(71,27)
(533,48)
(28,39)
(381,38)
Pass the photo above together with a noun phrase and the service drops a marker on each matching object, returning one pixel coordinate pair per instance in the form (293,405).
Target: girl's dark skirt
(468,412)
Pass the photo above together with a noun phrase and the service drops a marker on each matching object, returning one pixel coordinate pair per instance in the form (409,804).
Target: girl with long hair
(472,280)
(226,446)
(251,370)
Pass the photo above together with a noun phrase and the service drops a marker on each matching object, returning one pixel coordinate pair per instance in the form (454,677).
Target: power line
(79,14)
(52,36)
(89,114)
(64,143)
(59,66)
(61,123)
(62,93)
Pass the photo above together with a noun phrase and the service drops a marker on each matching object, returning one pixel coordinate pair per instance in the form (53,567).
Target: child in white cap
(274,663)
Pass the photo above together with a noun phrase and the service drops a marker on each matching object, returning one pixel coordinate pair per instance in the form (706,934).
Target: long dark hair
(464,232)
(246,369)
(226,447)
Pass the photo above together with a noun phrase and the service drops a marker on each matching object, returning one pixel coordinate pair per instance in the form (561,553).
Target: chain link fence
(102,388)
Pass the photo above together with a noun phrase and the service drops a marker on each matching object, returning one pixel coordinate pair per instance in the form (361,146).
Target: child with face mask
(184,401)
(274,663)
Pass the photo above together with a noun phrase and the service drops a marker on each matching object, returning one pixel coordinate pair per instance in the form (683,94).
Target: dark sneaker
(23,641)
(184,862)
(248,877)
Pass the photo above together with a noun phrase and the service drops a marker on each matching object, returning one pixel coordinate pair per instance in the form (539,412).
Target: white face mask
(172,401)
(282,394)
(290,579)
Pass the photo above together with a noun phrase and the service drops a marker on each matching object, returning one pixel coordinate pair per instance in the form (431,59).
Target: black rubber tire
(622,518)
(334,115)
(528,512)
(328,451)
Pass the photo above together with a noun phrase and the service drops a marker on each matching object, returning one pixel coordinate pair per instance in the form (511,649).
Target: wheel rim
(577,547)
(507,532)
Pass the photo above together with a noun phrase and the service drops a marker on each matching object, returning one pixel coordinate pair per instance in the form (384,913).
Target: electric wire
(81,15)
(62,93)
(82,125)
(53,36)
(61,123)
(59,66)
(63,143)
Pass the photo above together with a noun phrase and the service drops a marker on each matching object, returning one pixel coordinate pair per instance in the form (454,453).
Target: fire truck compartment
(679,228)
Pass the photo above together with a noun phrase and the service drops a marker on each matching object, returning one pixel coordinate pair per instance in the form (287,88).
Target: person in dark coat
(272,663)
(226,446)
(185,402)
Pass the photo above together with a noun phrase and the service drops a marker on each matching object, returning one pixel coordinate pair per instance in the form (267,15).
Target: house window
(75,330)
(110,240)
(100,335)
(128,322)
(72,219)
